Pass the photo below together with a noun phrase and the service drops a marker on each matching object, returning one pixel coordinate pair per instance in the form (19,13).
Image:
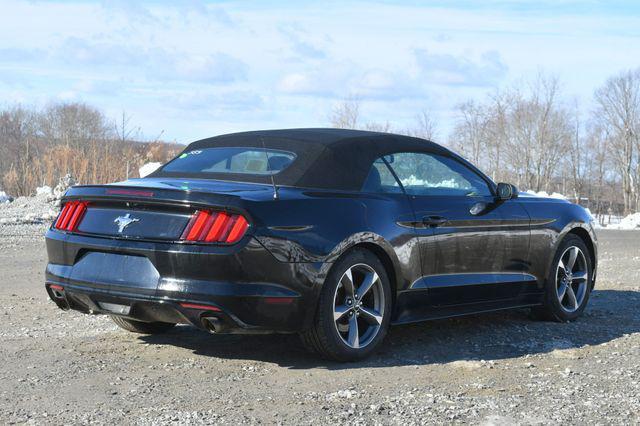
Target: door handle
(433,221)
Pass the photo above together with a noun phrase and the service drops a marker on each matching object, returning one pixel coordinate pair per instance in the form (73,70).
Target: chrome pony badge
(124,221)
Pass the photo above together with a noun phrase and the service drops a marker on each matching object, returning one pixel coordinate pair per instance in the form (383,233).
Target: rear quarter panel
(319,226)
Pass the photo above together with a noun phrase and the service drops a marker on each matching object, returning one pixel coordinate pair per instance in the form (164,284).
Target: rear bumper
(210,317)
(241,289)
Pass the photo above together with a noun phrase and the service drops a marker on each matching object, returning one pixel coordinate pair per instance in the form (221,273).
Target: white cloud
(448,69)
(367,84)
(301,44)
(154,63)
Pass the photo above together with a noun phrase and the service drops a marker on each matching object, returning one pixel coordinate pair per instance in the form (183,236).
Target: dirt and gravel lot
(63,367)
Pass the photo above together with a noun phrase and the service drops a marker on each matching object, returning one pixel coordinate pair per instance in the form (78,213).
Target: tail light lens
(71,216)
(215,227)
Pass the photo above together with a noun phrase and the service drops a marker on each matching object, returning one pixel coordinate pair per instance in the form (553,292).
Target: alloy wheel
(358,306)
(572,279)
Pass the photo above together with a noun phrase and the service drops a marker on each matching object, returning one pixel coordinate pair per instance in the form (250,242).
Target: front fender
(585,231)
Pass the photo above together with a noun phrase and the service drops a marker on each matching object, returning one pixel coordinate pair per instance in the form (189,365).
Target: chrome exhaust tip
(212,324)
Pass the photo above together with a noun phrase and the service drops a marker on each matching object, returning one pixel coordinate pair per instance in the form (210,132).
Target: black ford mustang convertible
(332,234)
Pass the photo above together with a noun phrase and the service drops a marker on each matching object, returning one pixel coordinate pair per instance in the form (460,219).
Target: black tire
(142,327)
(324,338)
(552,309)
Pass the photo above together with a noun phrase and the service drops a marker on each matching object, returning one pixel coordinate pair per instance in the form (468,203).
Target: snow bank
(628,223)
(545,194)
(148,168)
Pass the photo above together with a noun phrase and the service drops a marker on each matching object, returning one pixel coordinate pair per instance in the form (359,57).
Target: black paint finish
(446,255)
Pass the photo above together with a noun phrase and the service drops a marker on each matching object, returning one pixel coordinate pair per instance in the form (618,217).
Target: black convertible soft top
(325,158)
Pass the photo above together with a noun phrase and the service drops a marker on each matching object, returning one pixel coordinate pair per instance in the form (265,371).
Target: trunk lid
(157,208)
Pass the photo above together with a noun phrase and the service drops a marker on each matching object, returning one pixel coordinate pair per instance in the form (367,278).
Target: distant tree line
(39,146)
(531,136)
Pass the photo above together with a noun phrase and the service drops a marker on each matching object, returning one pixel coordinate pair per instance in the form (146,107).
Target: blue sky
(193,69)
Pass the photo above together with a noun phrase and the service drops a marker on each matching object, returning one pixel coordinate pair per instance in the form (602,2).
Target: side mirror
(506,191)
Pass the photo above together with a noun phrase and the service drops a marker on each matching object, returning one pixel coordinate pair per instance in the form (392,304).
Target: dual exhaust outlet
(212,324)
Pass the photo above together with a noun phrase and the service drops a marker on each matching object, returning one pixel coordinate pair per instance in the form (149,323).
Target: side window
(380,179)
(432,174)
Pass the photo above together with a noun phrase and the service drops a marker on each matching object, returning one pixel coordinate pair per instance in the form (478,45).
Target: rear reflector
(56,287)
(71,216)
(215,227)
(200,307)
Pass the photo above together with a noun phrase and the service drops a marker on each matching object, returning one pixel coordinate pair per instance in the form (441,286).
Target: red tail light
(71,216)
(215,227)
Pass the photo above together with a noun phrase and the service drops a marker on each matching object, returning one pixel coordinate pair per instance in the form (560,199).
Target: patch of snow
(414,181)
(65,183)
(148,168)
(45,192)
(545,194)
(4,198)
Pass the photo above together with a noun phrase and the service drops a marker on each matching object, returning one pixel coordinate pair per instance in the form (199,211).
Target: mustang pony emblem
(124,221)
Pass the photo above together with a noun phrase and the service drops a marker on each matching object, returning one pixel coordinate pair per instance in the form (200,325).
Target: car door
(474,246)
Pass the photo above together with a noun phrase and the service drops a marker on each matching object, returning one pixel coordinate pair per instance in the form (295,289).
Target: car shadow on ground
(502,335)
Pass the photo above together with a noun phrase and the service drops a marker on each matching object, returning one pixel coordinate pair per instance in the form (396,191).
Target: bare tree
(346,115)
(377,127)
(619,113)
(470,136)
(18,148)
(74,125)
(530,129)
(579,158)
(543,131)
(425,128)
(125,131)
(602,178)
(498,135)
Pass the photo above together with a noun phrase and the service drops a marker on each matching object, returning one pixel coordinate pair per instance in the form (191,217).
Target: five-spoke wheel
(358,305)
(353,310)
(571,279)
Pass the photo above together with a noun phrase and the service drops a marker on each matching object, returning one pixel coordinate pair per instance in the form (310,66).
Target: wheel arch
(586,238)
(374,243)
(389,267)
(584,235)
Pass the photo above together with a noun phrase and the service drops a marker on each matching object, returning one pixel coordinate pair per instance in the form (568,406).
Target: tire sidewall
(553,303)
(326,308)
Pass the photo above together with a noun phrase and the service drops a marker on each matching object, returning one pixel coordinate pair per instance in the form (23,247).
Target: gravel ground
(64,367)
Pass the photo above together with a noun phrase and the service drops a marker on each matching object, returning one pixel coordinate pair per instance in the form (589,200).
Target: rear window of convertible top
(235,160)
